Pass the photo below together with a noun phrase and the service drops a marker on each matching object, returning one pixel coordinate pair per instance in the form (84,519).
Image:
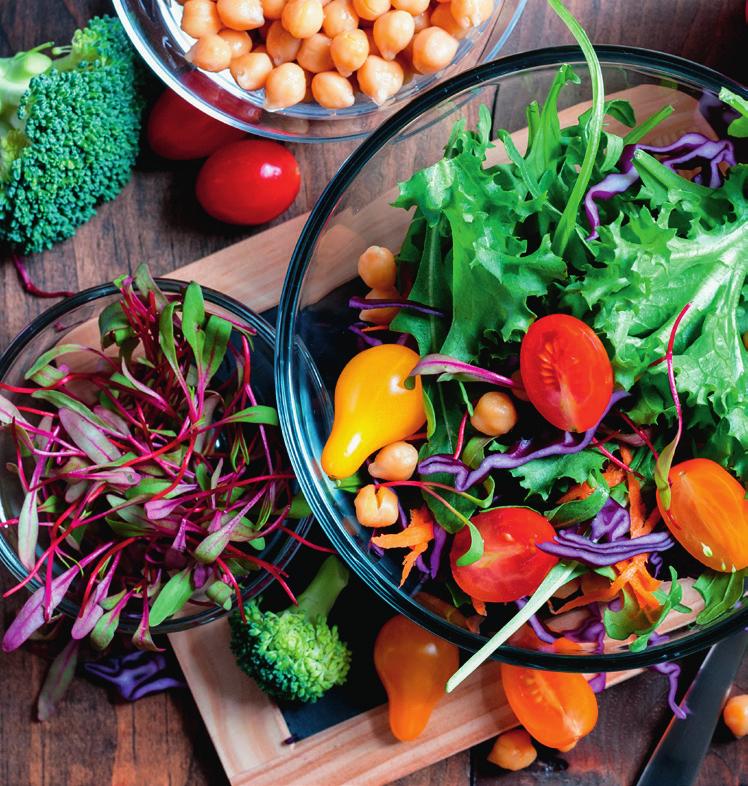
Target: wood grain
(161,740)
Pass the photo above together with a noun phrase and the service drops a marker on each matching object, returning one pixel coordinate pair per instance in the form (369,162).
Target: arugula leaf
(721,591)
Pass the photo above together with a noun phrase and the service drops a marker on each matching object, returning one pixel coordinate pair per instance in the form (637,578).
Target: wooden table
(161,740)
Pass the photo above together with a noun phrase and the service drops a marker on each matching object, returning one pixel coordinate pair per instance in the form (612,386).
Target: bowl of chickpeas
(312,70)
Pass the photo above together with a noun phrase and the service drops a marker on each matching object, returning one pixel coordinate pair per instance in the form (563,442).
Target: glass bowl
(354,213)
(60,323)
(154,28)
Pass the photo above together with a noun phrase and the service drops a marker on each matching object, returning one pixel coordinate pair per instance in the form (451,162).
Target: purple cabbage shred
(367,338)
(537,626)
(611,523)
(567,544)
(597,683)
(134,675)
(672,672)
(364,304)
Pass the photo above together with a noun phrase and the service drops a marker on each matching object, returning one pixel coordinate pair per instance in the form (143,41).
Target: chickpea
(380,79)
(349,51)
(735,715)
(281,45)
(200,18)
(421,22)
(211,53)
(260,49)
(332,91)
(466,12)
(285,86)
(272,9)
(433,49)
(239,41)
(303,18)
(241,14)
(339,17)
(380,316)
(396,461)
(442,17)
(251,71)
(376,506)
(377,268)
(393,32)
(494,414)
(371,9)
(413,7)
(314,54)
(513,750)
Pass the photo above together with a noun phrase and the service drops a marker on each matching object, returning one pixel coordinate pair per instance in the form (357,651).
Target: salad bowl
(356,212)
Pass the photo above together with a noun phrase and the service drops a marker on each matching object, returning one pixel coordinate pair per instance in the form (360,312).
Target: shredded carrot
(410,560)
(612,475)
(566,646)
(415,536)
(479,606)
(636,504)
(443,609)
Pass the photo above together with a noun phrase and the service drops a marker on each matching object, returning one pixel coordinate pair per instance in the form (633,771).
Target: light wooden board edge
(247,728)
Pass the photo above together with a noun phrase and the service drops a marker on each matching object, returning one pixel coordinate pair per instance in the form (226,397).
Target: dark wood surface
(160,740)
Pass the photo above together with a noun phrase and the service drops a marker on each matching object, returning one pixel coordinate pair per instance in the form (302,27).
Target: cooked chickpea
(303,18)
(200,18)
(396,461)
(251,71)
(272,9)
(238,40)
(513,750)
(735,715)
(281,45)
(421,22)
(433,49)
(466,12)
(332,91)
(349,51)
(380,79)
(241,14)
(314,54)
(211,53)
(442,17)
(377,268)
(380,316)
(340,17)
(285,86)
(393,32)
(376,506)
(260,49)
(494,414)
(413,7)
(371,9)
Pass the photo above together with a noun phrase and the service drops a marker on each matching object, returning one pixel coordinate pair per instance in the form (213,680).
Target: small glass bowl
(354,212)
(52,328)
(154,29)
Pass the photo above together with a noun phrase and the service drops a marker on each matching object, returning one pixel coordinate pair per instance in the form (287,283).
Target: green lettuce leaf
(721,591)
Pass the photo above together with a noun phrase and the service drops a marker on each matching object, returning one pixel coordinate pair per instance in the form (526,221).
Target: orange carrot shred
(612,475)
(479,606)
(410,560)
(420,530)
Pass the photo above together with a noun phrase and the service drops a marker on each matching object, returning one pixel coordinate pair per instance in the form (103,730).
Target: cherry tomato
(180,132)
(557,708)
(511,566)
(248,182)
(566,372)
(708,514)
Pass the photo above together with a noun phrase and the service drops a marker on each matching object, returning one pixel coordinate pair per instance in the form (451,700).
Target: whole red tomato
(248,182)
(180,132)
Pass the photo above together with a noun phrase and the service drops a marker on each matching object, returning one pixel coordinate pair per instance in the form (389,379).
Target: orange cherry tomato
(414,666)
(708,514)
(566,372)
(511,566)
(556,708)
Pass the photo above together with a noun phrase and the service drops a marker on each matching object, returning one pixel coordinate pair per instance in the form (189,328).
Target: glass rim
(265,334)
(286,345)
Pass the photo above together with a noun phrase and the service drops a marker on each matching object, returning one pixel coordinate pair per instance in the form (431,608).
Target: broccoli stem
(16,74)
(320,596)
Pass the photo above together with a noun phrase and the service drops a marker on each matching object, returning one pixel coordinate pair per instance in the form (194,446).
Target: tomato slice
(557,708)
(566,372)
(511,566)
(708,514)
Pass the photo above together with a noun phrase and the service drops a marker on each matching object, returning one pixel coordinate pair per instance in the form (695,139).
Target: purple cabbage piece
(537,626)
(520,454)
(656,561)
(134,675)
(444,364)
(611,523)
(368,339)
(440,540)
(691,150)
(590,630)
(570,545)
(598,682)
(672,672)
(363,304)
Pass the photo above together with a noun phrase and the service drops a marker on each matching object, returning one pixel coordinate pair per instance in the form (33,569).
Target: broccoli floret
(69,133)
(295,655)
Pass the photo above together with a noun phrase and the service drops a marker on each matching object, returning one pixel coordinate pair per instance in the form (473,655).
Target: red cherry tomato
(249,182)
(708,514)
(566,372)
(511,566)
(180,132)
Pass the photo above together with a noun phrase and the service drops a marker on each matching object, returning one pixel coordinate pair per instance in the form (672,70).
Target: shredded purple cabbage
(364,304)
(520,454)
(672,672)
(691,150)
(598,682)
(440,540)
(590,630)
(537,626)
(569,545)
(134,675)
(367,338)
(611,523)
(444,364)
(655,561)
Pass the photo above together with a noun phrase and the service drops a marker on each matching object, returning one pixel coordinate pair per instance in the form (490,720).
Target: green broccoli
(295,655)
(69,133)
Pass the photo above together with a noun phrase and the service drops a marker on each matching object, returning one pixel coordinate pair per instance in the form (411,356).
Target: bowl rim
(629,57)
(265,333)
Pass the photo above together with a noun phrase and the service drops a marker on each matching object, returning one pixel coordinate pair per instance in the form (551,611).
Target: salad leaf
(739,126)
(542,476)
(721,591)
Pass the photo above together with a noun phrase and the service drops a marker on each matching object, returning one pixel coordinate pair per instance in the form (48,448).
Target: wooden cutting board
(247,729)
